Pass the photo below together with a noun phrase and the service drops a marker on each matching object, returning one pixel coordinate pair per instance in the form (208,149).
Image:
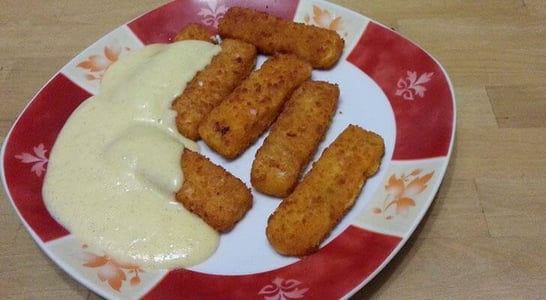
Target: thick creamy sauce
(115,166)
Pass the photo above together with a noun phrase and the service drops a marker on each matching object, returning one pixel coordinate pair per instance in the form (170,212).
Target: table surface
(485,234)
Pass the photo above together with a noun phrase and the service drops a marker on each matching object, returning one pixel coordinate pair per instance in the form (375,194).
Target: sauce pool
(115,165)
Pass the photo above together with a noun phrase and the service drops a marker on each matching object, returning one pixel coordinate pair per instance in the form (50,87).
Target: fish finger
(212,84)
(294,138)
(270,34)
(237,122)
(194,31)
(212,193)
(326,193)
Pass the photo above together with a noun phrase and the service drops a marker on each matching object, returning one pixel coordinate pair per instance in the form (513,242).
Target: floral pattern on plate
(400,193)
(111,271)
(283,289)
(37,159)
(212,13)
(96,64)
(406,192)
(411,86)
(88,67)
(100,272)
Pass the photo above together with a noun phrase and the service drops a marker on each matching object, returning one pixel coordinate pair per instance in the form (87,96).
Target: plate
(388,85)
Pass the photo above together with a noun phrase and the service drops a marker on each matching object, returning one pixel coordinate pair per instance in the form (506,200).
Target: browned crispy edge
(194,31)
(212,85)
(306,217)
(294,138)
(212,193)
(321,47)
(237,122)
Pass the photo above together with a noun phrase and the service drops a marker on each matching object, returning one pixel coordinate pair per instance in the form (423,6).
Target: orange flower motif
(323,18)
(111,271)
(97,64)
(401,192)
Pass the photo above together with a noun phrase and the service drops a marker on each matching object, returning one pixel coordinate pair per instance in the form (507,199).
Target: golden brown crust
(213,84)
(194,31)
(270,34)
(306,217)
(237,122)
(294,138)
(212,193)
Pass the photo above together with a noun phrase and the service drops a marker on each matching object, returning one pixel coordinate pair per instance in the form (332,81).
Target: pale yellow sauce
(115,166)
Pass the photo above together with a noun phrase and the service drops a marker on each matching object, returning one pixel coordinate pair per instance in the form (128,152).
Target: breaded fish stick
(212,193)
(270,34)
(212,84)
(306,217)
(194,31)
(237,122)
(294,138)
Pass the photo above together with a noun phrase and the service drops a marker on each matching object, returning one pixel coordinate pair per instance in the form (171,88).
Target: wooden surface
(484,236)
